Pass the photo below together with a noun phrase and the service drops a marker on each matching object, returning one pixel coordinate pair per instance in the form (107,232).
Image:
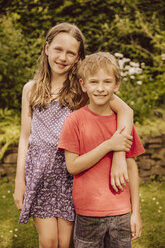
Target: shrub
(9,129)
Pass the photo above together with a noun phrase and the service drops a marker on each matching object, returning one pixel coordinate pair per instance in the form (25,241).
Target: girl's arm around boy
(119,165)
(136,223)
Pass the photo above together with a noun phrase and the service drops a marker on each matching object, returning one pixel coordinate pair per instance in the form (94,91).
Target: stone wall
(151,164)
(8,165)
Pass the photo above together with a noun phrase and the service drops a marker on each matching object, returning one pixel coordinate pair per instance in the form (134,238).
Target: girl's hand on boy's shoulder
(136,226)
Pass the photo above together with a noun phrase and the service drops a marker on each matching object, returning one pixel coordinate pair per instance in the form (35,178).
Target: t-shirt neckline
(100,116)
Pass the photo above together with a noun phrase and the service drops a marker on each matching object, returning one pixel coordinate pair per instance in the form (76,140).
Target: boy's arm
(78,163)
(136,223)
(124,119)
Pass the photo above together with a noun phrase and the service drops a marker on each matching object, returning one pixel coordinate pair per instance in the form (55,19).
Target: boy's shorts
(101,232)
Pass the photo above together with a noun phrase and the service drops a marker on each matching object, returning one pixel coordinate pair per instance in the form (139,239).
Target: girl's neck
(57,83)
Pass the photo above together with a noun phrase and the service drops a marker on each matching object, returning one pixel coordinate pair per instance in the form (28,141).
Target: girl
(43,187)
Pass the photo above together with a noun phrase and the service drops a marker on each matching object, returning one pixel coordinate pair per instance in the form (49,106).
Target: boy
(88,137)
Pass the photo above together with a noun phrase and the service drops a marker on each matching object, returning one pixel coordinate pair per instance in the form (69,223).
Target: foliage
(132,28)
(17,61)
(155,126)
(140,89)
(151,92)
(152,203)
(9,129)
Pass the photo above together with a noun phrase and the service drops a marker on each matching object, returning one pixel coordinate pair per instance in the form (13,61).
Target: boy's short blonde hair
(92,63)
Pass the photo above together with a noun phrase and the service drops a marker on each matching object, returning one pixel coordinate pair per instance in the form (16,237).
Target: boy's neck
(101,110)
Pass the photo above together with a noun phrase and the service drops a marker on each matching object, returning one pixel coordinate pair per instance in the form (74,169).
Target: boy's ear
(82,83)
(117,86)
(46,48)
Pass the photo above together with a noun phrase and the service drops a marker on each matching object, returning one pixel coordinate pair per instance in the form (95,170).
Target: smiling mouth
(60,64)
(100,95)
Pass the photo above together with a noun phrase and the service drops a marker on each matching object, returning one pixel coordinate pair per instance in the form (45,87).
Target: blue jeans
(102,232)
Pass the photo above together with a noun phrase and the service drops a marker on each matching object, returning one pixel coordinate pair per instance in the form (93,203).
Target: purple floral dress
(48,184)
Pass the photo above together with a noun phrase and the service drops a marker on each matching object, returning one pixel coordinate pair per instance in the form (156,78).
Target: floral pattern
(48,183)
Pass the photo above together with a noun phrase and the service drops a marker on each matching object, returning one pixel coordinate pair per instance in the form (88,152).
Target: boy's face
(100,87)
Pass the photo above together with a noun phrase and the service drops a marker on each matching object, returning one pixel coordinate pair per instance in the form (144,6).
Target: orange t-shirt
(93,195)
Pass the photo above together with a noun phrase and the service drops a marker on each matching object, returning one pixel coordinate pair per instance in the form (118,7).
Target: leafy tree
(150,93)
(17,61)
(132,28)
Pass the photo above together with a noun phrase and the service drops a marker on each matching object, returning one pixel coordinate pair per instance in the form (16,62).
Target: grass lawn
(152,197)
(13,235)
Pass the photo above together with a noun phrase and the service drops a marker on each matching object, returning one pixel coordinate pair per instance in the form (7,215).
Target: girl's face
(62,53)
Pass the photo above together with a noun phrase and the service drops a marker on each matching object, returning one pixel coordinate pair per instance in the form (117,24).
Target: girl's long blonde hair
(71,94)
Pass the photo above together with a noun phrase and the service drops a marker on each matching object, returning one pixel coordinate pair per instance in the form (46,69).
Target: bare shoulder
(28,86)
(27,89)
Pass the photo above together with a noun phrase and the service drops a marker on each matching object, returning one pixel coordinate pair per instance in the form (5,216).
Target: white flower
(16,229)
(11,231)
(8,191)
(125,79)
(142,65)
(118,55)
(121,64)
(134,64)
(124,73)
(3,196)
(160,207)
(139,82)
(132,77)
(163,56)
(132,70)
(142,200)
(127,67)
(157,203)
(126,60)
(153,198)
(159,211)
(15,235)
(138,70)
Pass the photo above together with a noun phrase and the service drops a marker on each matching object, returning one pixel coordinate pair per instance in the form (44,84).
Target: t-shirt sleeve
(137,146)
(69,137)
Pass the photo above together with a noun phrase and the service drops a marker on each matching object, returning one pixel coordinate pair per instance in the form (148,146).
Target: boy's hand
(119,172)
(136,226)
(120,141)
